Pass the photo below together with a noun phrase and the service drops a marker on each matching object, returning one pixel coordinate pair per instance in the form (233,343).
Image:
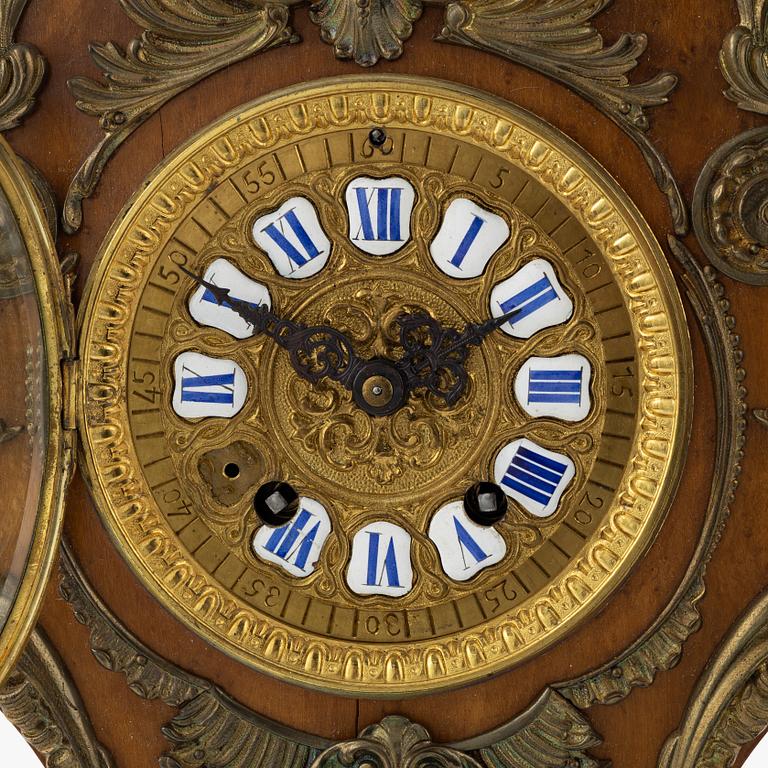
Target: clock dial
(284,307)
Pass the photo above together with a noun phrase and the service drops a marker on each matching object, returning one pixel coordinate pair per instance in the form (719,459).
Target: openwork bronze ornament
(395,742)
(743,57)
(729,706)
(21,68)
(730,207)
(40,698)
(366,31)
(183,44)
(551,733)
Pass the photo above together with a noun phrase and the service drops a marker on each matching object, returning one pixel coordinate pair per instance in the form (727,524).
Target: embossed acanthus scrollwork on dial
(417,437)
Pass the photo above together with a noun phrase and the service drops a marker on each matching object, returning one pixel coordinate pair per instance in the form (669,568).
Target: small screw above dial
(276,503)
(485,503)
(377,137)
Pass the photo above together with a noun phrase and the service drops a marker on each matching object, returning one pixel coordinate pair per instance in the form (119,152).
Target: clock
(384,385)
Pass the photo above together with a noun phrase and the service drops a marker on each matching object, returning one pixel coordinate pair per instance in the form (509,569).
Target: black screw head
(377,137)
(485,503)
(276,503)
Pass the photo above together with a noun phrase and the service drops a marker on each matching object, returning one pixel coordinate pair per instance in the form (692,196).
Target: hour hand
(256,315)
(316,351)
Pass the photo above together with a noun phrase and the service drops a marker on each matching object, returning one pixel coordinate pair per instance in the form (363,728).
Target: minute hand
(316,351)
(440,365)
(474,333)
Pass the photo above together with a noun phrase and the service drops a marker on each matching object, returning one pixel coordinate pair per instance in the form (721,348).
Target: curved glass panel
(35,452)
(23,402)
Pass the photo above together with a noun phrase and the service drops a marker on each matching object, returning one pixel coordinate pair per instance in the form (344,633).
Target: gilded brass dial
(183,517)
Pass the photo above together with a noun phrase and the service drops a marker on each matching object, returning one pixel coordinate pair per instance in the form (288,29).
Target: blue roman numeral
(467,544)
(207,389)
(530,299)
(276,231)
(387,213)
(561,386)
(374,577)
(534,475)
(466,243)
(288,543)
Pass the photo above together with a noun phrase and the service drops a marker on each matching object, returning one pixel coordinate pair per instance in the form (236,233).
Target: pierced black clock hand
(316,351)
(434,357)
(379,386)
(474,333)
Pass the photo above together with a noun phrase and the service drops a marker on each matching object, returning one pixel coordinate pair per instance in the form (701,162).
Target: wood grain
(683,37)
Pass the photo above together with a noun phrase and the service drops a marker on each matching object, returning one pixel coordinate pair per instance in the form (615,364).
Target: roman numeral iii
(558,387)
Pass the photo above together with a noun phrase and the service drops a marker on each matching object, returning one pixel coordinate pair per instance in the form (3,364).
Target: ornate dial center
(395,450)
(383,421)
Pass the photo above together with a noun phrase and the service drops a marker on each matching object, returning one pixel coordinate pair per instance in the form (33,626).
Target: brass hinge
(70,375)
(70,378)
(70,365)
